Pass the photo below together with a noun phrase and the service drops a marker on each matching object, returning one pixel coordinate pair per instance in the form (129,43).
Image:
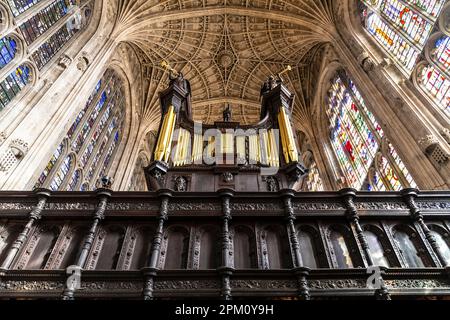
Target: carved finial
(166,66)
(106,182)
(279,74)
(227,114)
(274,80)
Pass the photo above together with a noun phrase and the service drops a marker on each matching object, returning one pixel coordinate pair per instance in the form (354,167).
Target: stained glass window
(51,163)
(52,46)
(434,79)
(44,19)
(357,138)
(20,6)
(401,27)
(8,49)
(93,139)
(62,173)
(74,180)
(13,84)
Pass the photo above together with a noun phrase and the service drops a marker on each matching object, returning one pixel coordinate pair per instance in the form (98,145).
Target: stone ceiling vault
(226,48)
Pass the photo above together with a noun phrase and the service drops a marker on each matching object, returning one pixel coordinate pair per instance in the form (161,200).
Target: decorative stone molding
(368,64)
(16,151)
(3,137)
(64,61)
(428,142)
(446,134)
(83,63)
(7,161)
(430,145)
(444,20)
(19,148)
(386,63)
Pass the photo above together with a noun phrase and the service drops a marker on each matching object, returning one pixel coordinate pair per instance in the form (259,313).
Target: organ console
(203,153)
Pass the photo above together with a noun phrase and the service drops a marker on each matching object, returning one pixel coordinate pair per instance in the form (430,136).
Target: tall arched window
(358,140)
(401,27)
(77,22)
(45,19)
(45,30)
(92,139)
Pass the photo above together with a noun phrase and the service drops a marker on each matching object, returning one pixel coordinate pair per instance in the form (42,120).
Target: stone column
(35,215)
(409,195)
(70,287)
(226,270)
(151,270)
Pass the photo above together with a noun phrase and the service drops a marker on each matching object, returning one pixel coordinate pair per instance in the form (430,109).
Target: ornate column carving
(352,216)
(99,215)
(227,249)
(151,270)
(292,234)
(300,271)
(409,195)
(35,215)
(349,195)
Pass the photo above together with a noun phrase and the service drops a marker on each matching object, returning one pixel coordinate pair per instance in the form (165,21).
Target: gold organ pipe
(195,148)
(180,147)
(199,147)
(240,146)
(286,126)
(229,143)
(160,149)
(171,126)
(275,149)
(186,152)
(165,134)
(211,145)
(251,150)
(224,142)
(178,152)
(264,147)
(284,143)
(185,147)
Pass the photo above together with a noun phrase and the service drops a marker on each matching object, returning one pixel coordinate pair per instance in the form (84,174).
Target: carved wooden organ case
(195,157)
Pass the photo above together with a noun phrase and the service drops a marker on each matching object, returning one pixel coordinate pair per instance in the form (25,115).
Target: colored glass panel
(8,49)
(437,86)
(13,84)
(20,6)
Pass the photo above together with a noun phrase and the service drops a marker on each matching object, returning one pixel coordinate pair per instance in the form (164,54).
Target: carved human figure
(180,184)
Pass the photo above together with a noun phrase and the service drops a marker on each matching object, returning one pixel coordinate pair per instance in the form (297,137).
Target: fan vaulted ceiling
(226,48)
